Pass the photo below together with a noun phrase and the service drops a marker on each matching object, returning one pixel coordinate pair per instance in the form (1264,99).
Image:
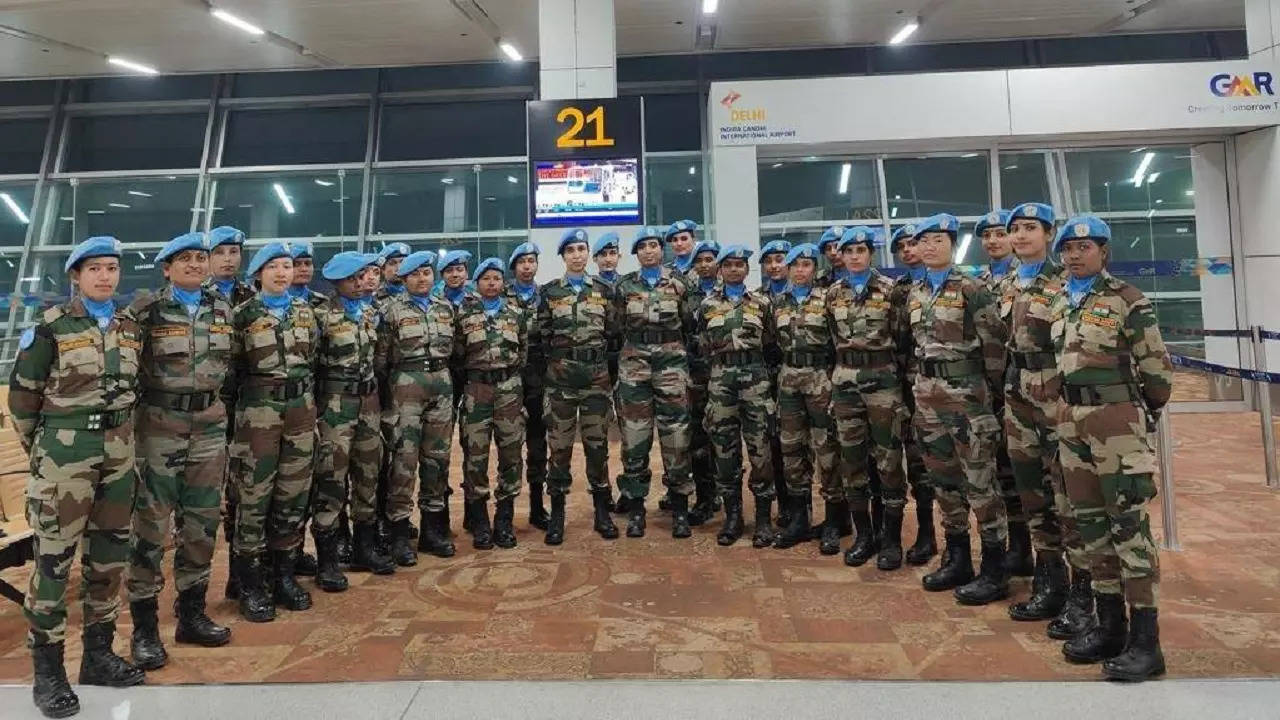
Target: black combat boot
(49,689)
(285,590)
(764,533)
(255,601)
(664,502)
(304,563)
(704,508)
(1104,640)
(504,515)
(635,518)
(1017,560)
(925,546)
(680,516)
(365,553)
(1048,589)
(733,524)
(402,551)
(1142,658)
(992,582)
(555,523)
(864,545)
(623,505)
(100,665)
(232,589)
(877,518)
(603,502)
(469,514)
(329,577)
(890,557)
(1077,615)
(836,512)
(434,539)
(344,538)
(480,529)
(194,625)
(537,512)
(798,530)
(147,650)
(956,568)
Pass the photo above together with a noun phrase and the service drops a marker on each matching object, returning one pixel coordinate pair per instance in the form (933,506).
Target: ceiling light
(510,51)
(1142,169)
(897,197)
(490,198)
(1159,202)
(893,211)
(512,179)
(709,6)
(237,23)
(1010,167)
(1152,177)
(67,219)
(245,205)
(964,247)
(324,183)
(139,193)
(1135,151)
(969,155)
(13,208)
(777,165)
(8,262)
(447,180)
(96,212)
(390,194)
(134,66)
(845,169)
(693,170)
(284,199)
(1190,193)
(907,31)
(1135,242)
(122,206)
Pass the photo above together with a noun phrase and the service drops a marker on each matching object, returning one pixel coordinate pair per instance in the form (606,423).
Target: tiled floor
(660,608)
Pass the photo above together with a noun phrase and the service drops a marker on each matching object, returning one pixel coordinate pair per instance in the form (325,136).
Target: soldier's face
(1084,257)
(607,260)
(489,285)
(187,269)
(857,257)
(774,266)
(1030,239)
(705,265)
(455,276)
(304,269)
(802,271)
(390,269)
(369,278)
(526,268)
(224,261)
(649,253)
(575,257)
(733,271)
(419,281)
(98,277)
(833,254)
(276,276)
(997,243)
(909,251)
(350,288)
(935,249)
(682,243)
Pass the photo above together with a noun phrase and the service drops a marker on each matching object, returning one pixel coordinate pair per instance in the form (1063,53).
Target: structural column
(577,49)
(1262,27)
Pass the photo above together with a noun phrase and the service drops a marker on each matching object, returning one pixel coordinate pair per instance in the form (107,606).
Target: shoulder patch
(28,337)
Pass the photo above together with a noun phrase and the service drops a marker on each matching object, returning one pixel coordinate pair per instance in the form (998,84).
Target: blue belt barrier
(1254,375)
(1206,333)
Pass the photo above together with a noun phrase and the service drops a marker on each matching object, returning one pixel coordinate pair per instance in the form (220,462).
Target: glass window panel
(9,261)
(504,197)
(37,92)
(1024,177)
(137,272)
(426,201)
(318,82)
(812,190)
(671,122)
(1104,180)
(143,210)
(139,142)
(673,189)
(127,89)
(924,186)
(453,130)
(22,145)
(313,204)
(16,212)
(438,77)
(296,137)
(1151,240)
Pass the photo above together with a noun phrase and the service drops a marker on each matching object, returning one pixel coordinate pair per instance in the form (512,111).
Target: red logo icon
(730,99)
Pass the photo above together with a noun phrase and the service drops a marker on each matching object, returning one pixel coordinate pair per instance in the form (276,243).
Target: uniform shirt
(867,321)
(729,325)
(346,348)
(241,292)
(68,367)
(575,319)
(536,361)
(1028,311)
(957,322)
(989,279)
(313,298)
(802,324)
(268,351)
(1111,338)
(491,342)
(662,307)
(181,353)
(901,301)
(409,333)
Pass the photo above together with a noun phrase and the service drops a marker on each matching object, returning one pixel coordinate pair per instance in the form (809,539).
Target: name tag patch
(74,344)
(1100,320)
(167,331)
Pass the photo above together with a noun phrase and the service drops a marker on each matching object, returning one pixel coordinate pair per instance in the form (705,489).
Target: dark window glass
(21,145)
(1024,177)
(441,77)
(820,189)
(137,142)
(429,201)
(924,186)
(794,63)
(958,56)
(294,137)
(318,82)
(125,89)
(453,130)
(144,210)
(674,189)
(1104,181)
(1125,49)
(15,216)
(39,92)
(289,206)
(671,122)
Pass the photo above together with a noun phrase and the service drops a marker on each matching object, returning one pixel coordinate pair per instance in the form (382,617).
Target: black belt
(738,358)
(865,358)
(807,359)
(1099,394)
(950,368)
(359,388)
(424,365)
(655,337)
(290,390)
(1034,360)
(491,377)
(91,421)
(181,401)
(578,354)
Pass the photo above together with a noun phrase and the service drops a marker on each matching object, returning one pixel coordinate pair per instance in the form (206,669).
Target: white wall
(1258,179)
(1213,239)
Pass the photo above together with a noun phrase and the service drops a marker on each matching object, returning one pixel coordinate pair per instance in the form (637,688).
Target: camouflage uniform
(533,379)
(241,292)
(1114,369)
(917,475)
(701,464)
(806,427)
(181,436)
(773,360)
(653,377)
(72,394)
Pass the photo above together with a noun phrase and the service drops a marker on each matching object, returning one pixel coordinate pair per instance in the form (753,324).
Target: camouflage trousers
(421,413)
(272,460)
(957,435)
(653,385)
(1108,466)
(182,458)
(741,410)
(80,492)
(807,431)
(348,456)
(1031,427)
(1005,476)
(569,410)
(867,406)
(493,412)
(700,462)
(917,476)
(535,425)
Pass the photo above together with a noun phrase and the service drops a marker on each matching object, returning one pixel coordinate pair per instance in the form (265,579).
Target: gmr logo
(1225,85)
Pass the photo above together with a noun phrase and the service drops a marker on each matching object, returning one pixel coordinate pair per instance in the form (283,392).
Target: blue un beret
(485,265)
(453,257)
(569,237)
(644,233)
(995,218)
(830,235)
(604,242)
(393,250)
(803,250)
(524,248)
(710,246)
(100,246)
(347,263)
(679,226)
(1082,227)
(188,241)
(1034,211)
(906,231)
(863,234)
(300,249)
(942,222)
(269,252)
(422,258)
(775,246)
(733,252)
(223,235)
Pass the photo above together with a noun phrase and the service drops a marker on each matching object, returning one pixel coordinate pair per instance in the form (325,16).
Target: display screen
(586,192)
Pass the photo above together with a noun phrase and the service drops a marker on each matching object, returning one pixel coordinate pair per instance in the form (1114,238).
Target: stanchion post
(1264,407)
(1169,514)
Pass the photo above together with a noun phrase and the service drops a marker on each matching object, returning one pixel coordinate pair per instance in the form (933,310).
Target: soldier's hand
(1153,420)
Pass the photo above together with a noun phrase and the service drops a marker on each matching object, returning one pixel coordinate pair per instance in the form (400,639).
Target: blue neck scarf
(302,292)
(575,281)
(609,275)
(840,273)
(734,291)
(1027,272)
(707,284)
(916,272)
(937,278)
(650,275)
(857,281)
(276,304)
(454,295)
(492,305)
(777,286)
(353,307)
(190,299)
(225,286)
(394,288)
(800,292)
(1078,288)
(683,262)
(525,292)
(422,301)
(102,312)
(1000,268)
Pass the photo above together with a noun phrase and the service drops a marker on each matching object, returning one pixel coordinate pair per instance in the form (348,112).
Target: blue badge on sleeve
(28,337)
